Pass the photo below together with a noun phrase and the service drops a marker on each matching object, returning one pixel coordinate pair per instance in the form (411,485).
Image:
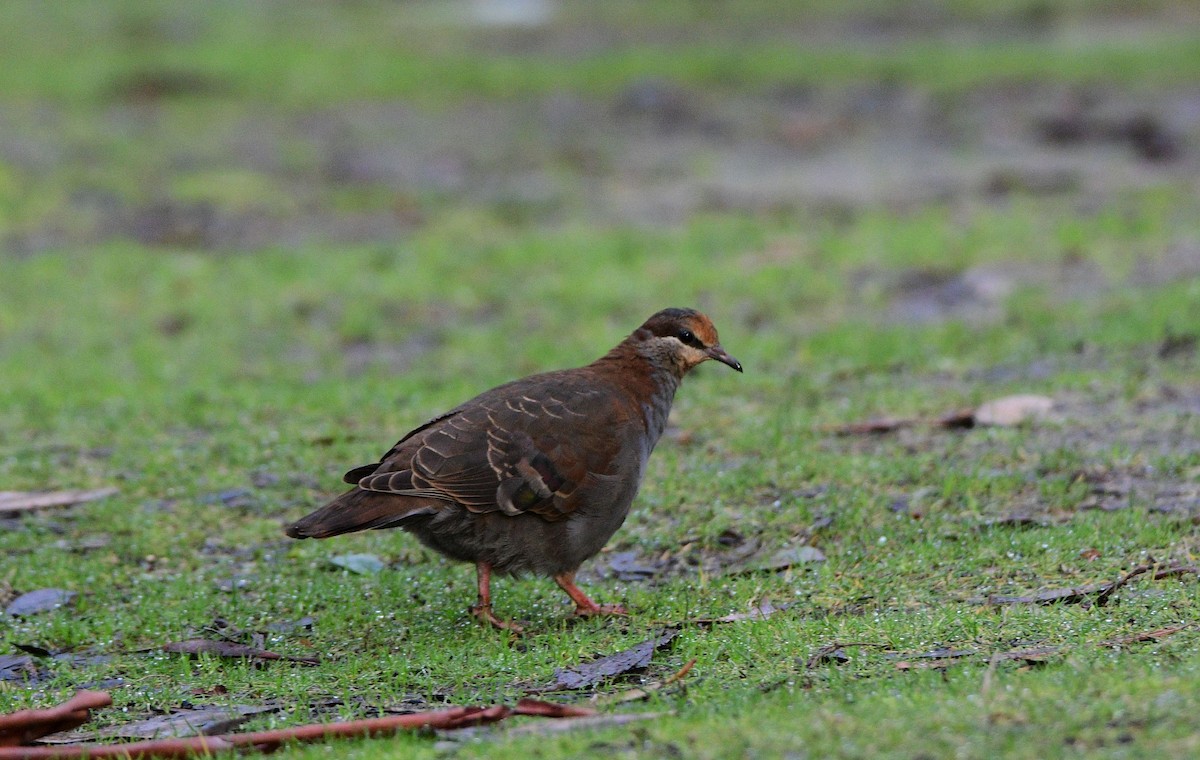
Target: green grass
(97,391)
(224,394)
(311,53)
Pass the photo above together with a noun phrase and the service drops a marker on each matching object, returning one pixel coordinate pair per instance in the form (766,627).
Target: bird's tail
(356,510)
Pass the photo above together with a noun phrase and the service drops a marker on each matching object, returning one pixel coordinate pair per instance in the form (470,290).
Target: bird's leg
(583,605)
(483,607)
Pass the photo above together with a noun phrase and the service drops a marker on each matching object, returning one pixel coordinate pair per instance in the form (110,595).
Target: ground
(247,246)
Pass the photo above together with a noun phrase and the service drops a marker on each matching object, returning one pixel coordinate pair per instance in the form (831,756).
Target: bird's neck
(649,381)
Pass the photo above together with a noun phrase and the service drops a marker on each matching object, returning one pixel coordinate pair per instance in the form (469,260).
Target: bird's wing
(523,447)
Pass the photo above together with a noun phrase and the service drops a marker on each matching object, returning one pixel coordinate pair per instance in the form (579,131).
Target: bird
(536,475)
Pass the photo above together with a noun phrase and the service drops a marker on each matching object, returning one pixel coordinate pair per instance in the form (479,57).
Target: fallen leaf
(789,557)
(1102,591)
(200,721)
(197,647)
(626,566)
(591,673)
(23,501)
(41,600)
(17,667)
(362,564)
(1010,411)
(451,739)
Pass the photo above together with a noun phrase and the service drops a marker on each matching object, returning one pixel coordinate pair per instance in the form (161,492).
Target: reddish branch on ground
(27,725)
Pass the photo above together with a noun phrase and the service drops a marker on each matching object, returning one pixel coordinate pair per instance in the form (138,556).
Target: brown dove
(536,475)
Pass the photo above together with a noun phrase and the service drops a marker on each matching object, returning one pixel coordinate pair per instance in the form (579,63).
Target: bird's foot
(485,615)
(594,610)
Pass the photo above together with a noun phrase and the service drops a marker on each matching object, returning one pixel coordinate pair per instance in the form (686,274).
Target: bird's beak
(718,353)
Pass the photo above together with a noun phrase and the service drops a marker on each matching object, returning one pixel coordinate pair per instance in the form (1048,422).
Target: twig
(262,741)
(1103,591)
(25,726)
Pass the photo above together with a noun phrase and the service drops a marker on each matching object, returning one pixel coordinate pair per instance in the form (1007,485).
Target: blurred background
(235,126)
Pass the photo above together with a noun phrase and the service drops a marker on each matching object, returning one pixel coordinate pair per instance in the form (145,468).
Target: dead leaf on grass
(451,739)
(591,673)
(627,566)
(18,667)
(41,600)
(1007,411)
(197,647)
(1080,594)
(188,721)
(787,558)
(25,501)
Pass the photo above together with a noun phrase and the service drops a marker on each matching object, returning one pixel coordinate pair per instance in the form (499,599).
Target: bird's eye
(689,338)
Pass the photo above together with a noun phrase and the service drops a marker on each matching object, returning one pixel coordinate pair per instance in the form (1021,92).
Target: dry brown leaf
(25,501)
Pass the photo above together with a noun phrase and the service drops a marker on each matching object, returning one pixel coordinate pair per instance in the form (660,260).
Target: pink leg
(583,605)
(483,607)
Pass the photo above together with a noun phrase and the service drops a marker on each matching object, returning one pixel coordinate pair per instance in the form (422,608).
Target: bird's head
(683,338)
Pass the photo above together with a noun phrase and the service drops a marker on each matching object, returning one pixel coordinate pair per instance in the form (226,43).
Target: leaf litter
(1006,411)
(214,648)
(27,501)
(41,600)
(1098,594)
(634,659)
(22,728)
